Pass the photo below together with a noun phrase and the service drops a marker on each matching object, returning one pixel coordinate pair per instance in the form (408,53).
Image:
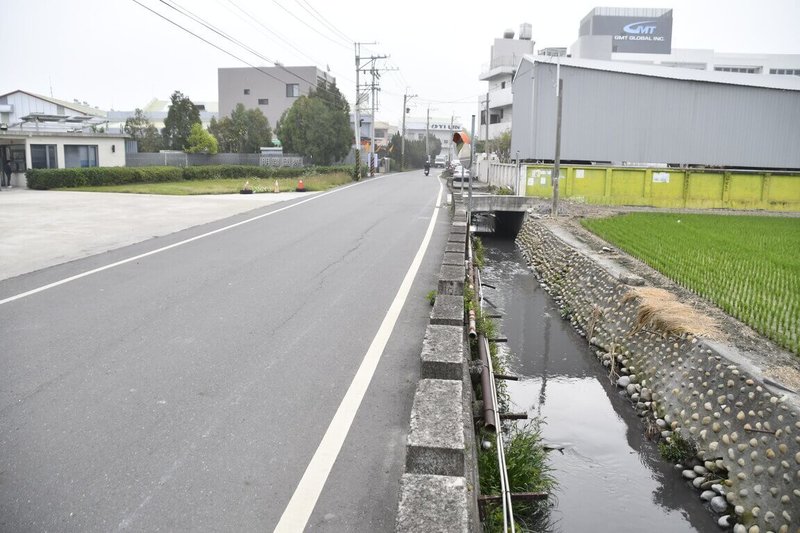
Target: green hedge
(57,178)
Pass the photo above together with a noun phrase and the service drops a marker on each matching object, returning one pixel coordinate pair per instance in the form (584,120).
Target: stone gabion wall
(747,438)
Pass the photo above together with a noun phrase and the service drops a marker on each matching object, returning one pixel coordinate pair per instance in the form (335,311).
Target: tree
(143,132)
(200,141)
(318,125)
(415,155)
(181,116)
(245,131)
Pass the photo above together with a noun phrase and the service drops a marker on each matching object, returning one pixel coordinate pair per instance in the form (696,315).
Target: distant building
(441,128)
(273,90)
(643,35)
(42,132)
(156,111)
(625,113)
(506,54)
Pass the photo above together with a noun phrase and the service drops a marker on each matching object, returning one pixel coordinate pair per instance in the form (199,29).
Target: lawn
(319,182)
(747,265)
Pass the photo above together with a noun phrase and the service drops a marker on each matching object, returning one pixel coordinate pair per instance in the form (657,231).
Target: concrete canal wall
(747,434)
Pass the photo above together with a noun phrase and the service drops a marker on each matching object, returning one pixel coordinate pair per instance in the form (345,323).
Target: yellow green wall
(659,187)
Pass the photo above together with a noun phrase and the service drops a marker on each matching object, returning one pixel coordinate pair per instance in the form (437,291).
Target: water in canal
(610,477)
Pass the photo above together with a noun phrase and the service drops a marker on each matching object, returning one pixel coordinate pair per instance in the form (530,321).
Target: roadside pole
(470,168)
(557,160)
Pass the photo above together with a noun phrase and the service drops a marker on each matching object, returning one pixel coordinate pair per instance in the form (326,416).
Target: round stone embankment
(747,438)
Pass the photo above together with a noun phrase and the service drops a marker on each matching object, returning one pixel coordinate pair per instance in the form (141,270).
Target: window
(247,91)
(263,101)
(741,70)
(502,85)
(292,89)
(84,155)
(785,71)
(43,156)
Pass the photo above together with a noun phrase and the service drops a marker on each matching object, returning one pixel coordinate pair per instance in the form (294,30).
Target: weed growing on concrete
(479,252)
(528,472)
(676,449)
(431,296)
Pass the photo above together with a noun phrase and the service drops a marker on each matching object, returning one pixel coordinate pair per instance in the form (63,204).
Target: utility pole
(557,161)
(486,113)
(406,98)
(427,134)
(471,169)
(356,118)
(370,66)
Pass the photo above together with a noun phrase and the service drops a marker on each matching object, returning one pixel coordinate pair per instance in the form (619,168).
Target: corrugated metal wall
(611,116)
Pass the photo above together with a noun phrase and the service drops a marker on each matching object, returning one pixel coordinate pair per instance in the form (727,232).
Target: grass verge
(223,186)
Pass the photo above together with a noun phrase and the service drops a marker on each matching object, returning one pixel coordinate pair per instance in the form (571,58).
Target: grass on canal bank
(320,182)
(748,266)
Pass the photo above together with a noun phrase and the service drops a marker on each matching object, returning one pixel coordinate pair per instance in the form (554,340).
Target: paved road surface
(189,390)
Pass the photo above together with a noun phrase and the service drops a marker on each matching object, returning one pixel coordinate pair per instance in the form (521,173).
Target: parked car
(459,171)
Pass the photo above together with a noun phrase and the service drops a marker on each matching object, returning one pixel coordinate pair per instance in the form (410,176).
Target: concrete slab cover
(451,280)
(432,503)
(453,258)
(448,310)
(436,434)
(443,352)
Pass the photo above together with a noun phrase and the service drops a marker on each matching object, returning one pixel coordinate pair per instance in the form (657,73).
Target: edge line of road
(304,499)
(181,243)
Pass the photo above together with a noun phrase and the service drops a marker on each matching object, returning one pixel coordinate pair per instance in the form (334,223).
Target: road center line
(301,505)
(175,245)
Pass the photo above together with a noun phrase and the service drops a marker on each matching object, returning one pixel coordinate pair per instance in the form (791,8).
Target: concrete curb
(437,491)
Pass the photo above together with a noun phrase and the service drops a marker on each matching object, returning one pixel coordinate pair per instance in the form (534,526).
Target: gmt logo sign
(643,30)
(636,34)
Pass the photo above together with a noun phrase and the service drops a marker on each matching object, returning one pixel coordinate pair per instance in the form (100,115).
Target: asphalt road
(189,389)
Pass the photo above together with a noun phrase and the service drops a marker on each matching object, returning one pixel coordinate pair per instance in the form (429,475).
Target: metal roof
(789,83)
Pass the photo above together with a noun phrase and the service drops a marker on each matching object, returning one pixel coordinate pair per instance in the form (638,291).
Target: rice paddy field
(749,266)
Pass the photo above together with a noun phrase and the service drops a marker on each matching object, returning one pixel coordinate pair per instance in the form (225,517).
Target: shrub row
(56,178)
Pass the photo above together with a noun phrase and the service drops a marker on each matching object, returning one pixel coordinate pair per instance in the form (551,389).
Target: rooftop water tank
(508,34)
(525,31)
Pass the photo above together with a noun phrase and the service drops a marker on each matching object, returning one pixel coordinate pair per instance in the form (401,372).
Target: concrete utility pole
(427,133)
(471,168)
(486,148)
(371,67)
(406,98)
(557,160)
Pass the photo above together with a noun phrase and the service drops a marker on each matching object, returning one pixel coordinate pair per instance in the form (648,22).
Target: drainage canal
(610,477)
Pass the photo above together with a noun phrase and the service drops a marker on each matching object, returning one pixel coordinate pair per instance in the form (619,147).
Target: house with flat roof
(43,132)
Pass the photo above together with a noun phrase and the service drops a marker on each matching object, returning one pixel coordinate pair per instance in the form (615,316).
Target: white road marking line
(175,245)
(301,505)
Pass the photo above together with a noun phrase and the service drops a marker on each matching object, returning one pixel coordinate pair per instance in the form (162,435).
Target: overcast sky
(116,54)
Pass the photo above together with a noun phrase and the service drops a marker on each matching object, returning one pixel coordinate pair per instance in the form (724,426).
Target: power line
(251,18)
(310,26)
(206,40)
(199,20)
(322,20)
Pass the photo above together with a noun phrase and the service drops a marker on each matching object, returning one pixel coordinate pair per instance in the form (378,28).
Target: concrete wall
(669,187)
(747,434)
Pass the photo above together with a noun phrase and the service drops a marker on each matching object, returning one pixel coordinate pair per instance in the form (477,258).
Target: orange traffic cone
(300,186)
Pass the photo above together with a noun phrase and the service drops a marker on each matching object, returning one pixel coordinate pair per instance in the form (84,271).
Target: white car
(459,171)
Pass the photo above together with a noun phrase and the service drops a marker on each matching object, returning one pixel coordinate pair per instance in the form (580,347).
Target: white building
(644,36)
(441,128)
(506,55)
(42,132)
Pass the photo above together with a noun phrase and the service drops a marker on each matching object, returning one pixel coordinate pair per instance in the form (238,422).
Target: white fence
(499,174)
